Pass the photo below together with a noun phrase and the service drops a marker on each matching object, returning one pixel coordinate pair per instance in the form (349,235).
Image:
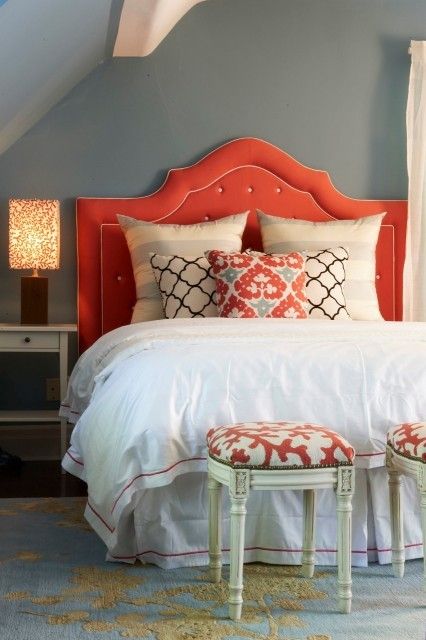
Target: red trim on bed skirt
(75,459)
(100,518)
(153,473)
(406,546)
(191,553)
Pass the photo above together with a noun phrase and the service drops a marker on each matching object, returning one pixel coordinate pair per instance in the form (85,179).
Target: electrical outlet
(52,389)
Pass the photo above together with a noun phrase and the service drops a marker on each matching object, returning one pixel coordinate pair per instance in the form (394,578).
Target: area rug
(55,583)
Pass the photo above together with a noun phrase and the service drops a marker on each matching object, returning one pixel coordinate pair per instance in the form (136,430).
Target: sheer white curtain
(415,262)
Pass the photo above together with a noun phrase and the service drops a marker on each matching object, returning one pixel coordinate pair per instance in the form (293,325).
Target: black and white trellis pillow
(187,286)
(326,275)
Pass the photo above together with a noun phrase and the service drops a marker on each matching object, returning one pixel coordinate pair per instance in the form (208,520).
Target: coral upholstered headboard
(242,174)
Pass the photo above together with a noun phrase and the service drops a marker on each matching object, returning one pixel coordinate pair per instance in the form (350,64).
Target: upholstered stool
(405,454)
(278,455)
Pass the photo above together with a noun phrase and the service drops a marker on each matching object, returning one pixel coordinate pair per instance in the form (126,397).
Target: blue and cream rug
(55,583)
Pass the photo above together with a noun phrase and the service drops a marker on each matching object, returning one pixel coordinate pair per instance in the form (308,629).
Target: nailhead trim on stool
(278,445)
(278,455)
(405,455)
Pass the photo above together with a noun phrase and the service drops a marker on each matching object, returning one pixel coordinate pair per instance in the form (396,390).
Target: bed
(143,395)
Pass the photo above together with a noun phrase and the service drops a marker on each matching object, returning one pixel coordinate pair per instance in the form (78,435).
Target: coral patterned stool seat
(278,455)
(406,455)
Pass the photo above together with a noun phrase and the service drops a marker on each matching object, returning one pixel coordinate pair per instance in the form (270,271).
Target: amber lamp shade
(34,231)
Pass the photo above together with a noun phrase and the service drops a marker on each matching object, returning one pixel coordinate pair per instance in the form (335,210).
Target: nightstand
(49,338)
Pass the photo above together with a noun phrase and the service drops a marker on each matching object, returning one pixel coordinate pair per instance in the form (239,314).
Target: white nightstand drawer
(27,340)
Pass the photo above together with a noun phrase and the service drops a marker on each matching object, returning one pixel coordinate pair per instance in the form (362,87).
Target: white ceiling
(48,46)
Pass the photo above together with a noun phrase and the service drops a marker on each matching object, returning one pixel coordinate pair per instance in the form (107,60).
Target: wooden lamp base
(34,300)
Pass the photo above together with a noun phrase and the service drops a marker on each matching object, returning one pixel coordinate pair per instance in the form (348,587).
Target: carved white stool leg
(238,490)
(423,508)
(396,518)
(308,555)
(421,484)
(344,491)
(215,529)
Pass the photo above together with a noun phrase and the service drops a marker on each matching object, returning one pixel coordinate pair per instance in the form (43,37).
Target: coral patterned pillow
(261,286)
(325,280)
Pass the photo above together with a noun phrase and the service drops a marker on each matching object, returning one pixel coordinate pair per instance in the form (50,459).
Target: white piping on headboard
(223,175)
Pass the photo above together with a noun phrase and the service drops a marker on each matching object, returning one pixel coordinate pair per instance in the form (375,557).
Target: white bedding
(144,396)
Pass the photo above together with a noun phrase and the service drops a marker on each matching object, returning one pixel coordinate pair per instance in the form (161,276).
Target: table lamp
(34,244)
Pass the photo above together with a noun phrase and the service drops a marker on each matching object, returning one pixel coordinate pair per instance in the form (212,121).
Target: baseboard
(32,441)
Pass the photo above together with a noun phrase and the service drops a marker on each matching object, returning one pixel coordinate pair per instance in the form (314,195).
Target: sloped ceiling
(48,46)
(145,23)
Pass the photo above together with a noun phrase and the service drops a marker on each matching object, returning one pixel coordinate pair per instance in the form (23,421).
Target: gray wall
(325,80)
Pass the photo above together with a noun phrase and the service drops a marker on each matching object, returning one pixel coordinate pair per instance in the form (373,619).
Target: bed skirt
(167,526)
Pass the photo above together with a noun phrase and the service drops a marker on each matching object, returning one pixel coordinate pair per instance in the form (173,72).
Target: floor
(39,479)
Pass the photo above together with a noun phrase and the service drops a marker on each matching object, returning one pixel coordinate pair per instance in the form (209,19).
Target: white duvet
(144,396)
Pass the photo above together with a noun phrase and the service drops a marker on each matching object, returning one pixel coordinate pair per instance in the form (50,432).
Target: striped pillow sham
(359,237)
(144,238)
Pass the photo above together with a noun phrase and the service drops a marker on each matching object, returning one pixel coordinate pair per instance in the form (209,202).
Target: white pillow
(359,237)
(187,286)
(144,238)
